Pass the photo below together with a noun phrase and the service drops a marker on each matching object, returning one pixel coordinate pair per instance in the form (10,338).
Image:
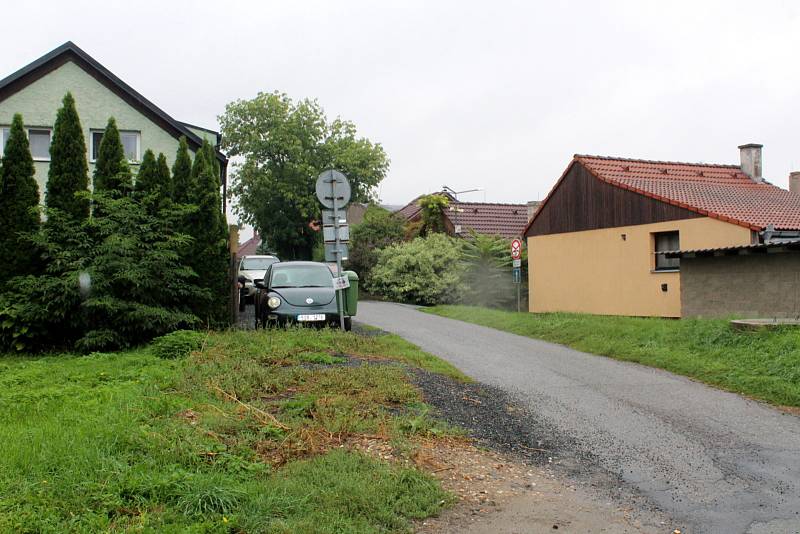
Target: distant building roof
(505,220)
(249,247)
(720,191)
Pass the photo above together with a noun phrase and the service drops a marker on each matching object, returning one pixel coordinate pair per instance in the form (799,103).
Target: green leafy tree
(182,174)
(424,271)
(283,146)
(19,196)
(379,229)
(207,225)
(487,265)
(433,208)
(69,172)
(111,172)
(119,282)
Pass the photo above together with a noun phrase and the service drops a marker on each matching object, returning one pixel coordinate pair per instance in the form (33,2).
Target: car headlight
(273,302)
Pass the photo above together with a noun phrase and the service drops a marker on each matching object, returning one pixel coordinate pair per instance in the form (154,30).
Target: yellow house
(596,244)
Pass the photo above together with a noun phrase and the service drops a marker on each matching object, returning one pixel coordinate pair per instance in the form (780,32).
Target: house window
(666,241)
(4,133)
(39,139)
(130,143)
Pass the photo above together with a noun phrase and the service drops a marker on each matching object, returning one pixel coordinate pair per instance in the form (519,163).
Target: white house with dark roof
(36,92)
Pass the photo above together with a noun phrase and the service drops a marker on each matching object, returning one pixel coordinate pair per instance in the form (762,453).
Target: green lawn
(764,365)
(250,434)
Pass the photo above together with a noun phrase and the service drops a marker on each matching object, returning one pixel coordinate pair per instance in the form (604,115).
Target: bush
(424,271)
(379,229)
(110,282)
(177,344)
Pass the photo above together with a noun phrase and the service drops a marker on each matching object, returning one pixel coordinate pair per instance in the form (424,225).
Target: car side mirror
(260,284)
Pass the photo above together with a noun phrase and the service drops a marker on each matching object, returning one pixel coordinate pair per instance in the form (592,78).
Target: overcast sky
(493,95)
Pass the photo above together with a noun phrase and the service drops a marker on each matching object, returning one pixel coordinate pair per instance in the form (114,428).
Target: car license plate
(312,317)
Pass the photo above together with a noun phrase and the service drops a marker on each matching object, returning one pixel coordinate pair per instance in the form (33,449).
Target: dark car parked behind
(298,292)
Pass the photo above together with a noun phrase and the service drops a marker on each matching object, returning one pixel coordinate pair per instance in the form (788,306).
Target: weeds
(251,434)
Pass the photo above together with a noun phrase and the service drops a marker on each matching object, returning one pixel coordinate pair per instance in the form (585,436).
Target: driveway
(713,461)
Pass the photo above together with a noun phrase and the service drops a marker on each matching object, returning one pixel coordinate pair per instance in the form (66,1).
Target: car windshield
(302,276)
(256,264)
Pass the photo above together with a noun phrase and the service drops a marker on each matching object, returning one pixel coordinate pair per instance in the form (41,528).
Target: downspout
(225,189)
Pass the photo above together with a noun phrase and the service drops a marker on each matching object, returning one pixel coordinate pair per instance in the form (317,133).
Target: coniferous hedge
(19,196)
(128,272)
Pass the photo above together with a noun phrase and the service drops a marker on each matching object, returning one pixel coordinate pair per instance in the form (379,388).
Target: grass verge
(253,433)
(763,364)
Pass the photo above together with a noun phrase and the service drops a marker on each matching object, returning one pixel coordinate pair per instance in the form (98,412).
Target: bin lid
(351,275)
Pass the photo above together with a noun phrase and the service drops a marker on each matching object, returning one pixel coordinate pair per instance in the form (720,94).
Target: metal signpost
(516,272)
(333,191)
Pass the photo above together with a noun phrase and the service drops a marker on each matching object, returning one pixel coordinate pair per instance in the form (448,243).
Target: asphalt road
(713,461)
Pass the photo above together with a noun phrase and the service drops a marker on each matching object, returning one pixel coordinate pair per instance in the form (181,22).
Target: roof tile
(719,191)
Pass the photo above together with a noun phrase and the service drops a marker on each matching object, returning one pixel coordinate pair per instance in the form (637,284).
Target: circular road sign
(516,249)
(340,189)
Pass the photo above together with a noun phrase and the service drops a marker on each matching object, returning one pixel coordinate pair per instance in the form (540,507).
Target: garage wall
(762,285)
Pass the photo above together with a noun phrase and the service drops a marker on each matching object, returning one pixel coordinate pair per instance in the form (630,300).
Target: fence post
(233,247)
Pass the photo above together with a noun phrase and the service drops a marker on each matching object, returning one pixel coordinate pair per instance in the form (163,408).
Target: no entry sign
(516,249)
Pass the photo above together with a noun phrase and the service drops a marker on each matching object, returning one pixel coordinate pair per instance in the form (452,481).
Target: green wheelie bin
(351,294)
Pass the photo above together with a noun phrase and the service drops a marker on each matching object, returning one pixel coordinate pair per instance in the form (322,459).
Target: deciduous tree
(284,145)
(379,229)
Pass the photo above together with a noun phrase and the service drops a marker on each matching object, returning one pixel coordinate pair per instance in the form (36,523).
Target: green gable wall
(39,102)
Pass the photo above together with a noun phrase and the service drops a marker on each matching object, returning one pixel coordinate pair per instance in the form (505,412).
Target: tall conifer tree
(182,174)
(209,229)
(164,176)
(69,171)
(19,194)
(111,171)
(147,178)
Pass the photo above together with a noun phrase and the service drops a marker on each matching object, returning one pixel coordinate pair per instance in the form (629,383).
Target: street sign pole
(340,292)
(333,191)
(516,257)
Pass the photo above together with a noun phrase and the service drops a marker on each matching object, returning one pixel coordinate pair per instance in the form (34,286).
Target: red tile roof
(505,220)
(720,191)
(249,247)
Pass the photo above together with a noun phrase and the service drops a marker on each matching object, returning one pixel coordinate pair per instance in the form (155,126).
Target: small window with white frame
(39,140)
(131,144)
(5,131)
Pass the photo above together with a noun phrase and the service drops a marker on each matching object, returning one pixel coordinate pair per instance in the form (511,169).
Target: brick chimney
(532,206)
(794,182)
(750,156)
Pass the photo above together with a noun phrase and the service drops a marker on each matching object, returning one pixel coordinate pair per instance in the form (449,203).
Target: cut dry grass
(250,434)
(763,364)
